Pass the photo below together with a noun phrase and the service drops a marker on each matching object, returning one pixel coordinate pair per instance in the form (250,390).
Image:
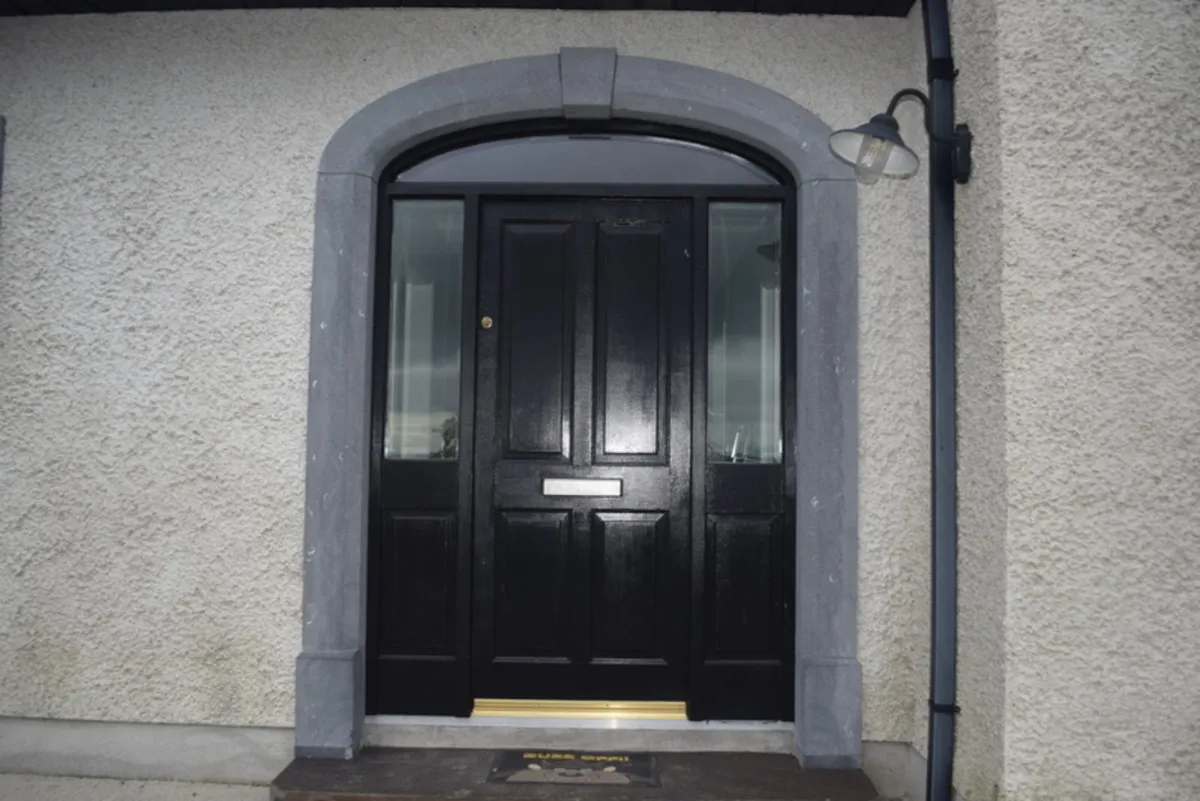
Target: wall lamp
(876,150)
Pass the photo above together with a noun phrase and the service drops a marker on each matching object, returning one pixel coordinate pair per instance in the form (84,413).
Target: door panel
(632,604)
(537,337)
(417,606)
(745,567)
(631,346)
(532,554)
(583,596)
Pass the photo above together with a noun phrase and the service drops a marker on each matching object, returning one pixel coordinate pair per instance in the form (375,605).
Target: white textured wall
(1081,325)
(894,418)
(154,274)
(983,505)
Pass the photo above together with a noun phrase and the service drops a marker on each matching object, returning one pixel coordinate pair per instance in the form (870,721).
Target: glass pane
(745,350)
(425,345)
(587,159)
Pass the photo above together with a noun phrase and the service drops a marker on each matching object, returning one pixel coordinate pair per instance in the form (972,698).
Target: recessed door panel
(631,609)
(416,611)
(536,334)
(746,566)
(532,571)
(631,343)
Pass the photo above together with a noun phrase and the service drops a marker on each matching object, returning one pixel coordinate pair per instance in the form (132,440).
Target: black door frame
(447,679)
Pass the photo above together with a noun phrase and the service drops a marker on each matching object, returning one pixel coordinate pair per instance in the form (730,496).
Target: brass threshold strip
(540,708)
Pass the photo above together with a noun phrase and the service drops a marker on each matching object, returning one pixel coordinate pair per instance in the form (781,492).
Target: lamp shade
(875,149)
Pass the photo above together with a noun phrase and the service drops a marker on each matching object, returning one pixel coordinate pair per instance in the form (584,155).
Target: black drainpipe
(944,602)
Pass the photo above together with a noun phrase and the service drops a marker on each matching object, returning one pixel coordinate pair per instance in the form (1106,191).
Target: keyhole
(486,322)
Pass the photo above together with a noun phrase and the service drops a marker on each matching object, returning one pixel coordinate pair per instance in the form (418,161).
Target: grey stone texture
(587,82)
(330,676)
(513,89)
(829,677)
(714,102)
(329,703)
(828,723)
(58,788)
(150,751)
(439,733)
(330,690)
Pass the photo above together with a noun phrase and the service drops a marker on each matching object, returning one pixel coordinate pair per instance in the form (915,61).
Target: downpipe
(943,423)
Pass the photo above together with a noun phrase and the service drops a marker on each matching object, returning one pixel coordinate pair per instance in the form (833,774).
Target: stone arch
(581,84)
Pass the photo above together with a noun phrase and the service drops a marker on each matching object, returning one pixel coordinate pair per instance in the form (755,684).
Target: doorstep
(611,734)
(387,774)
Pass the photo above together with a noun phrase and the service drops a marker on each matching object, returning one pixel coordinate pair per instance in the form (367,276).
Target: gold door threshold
(539,708)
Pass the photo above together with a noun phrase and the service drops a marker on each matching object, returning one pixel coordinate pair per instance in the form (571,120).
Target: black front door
(581,583)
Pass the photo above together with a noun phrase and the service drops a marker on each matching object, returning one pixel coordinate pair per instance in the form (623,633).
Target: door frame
(454,676)
(575,84)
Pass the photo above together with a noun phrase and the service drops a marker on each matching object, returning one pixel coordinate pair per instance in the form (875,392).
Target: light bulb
(873,156)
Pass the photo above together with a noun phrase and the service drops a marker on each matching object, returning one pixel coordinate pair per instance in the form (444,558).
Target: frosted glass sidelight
(745,349)
(425,331)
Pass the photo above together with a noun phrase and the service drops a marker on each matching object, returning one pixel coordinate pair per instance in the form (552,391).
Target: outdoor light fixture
(876,150)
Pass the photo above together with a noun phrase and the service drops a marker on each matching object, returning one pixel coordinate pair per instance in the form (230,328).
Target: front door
(583,393)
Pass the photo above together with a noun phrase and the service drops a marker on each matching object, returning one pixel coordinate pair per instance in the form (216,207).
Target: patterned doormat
(574,767)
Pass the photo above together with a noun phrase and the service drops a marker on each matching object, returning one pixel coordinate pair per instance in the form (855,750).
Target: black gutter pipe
(939,774)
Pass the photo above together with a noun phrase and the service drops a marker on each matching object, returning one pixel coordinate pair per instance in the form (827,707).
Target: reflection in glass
(590,159)
(745,359)
(425,346)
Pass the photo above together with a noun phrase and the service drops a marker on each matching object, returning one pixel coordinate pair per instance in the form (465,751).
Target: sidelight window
(745,356)
(425,330)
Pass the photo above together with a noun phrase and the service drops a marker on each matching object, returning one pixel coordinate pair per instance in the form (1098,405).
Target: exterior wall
(894,415)
(983,477)
(154,330)
(1080,316)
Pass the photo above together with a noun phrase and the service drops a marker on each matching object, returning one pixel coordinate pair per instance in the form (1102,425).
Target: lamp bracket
(960,143)
(915,94)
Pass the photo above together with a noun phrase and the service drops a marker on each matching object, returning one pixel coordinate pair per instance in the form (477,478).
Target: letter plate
(589,487)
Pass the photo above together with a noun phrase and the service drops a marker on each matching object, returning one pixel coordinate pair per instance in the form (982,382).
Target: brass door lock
(486,322)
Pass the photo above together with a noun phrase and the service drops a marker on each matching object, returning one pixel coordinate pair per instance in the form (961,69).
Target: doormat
(574,767)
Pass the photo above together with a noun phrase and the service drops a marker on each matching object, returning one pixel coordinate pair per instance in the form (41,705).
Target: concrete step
(385,774)
(487,734)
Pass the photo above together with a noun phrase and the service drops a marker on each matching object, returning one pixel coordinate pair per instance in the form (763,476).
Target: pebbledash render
(190,229)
